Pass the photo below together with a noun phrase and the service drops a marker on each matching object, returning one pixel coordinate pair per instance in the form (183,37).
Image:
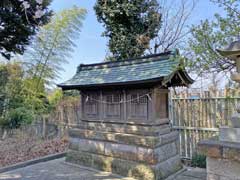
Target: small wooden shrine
(124,126)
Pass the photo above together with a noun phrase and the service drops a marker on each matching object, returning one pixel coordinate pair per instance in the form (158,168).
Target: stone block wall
(222,169)
(223,159)
(140,151)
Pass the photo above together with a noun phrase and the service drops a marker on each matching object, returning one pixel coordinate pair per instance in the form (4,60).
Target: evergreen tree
(19,21)
(129,24)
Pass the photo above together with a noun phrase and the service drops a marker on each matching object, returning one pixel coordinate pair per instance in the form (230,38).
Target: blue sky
(92,48)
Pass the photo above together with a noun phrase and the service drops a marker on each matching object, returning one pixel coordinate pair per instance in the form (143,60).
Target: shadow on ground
(59,170)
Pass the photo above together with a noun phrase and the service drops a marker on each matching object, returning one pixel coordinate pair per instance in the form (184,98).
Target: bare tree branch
(174,24)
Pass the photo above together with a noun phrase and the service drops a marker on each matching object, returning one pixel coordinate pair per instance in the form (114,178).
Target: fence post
(226,109)
(197,118)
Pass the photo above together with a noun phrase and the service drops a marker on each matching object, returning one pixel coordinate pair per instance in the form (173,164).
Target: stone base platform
(147,152)
(223,159)
(229,134)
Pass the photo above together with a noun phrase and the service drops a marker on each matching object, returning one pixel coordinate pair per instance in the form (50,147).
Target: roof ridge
(125,61)
(149,70)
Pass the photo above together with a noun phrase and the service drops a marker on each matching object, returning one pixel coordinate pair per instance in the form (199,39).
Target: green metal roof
(153,67)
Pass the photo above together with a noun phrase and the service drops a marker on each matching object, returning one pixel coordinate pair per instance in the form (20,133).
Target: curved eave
(185,75)
(177,78)
(228,53)
(104,85)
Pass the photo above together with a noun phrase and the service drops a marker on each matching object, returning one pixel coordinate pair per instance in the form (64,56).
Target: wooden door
(91,103)
(113,107)
(138,106)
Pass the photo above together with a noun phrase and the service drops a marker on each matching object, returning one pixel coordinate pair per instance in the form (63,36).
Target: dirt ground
(21,146)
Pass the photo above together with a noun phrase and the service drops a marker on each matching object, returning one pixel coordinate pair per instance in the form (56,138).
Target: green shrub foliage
(199,160)
(16,117)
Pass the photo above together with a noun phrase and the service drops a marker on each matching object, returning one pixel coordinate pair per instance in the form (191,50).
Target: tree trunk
(4,134)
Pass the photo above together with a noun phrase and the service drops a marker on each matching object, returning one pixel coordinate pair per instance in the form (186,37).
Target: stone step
(130,139)
(168,167)
(151,130)
(125,167)
(124,151)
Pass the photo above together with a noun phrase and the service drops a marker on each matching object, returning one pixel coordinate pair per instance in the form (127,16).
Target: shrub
(55,97)
(199,160)
(16,117)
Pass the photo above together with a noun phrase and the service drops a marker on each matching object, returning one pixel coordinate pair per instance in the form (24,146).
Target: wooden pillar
(124,99)
(80,108)
(160,105)
(101,106)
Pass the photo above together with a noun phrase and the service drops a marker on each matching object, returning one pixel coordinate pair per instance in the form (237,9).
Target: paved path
(59,170)
(192,174)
